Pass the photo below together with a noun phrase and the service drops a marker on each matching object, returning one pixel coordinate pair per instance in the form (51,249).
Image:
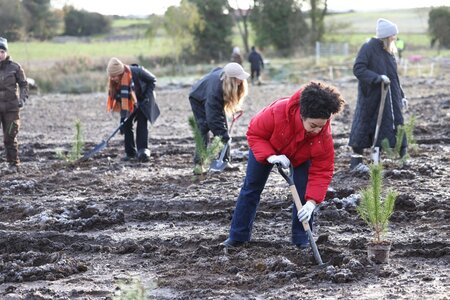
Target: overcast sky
(146,7)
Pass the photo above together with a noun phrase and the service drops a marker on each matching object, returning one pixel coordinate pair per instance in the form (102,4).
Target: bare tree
(317,15)
(240,18)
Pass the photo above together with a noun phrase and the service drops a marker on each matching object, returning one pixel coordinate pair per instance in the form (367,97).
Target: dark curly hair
(320,100)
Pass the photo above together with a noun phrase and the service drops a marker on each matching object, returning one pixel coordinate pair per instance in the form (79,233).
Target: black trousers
(141,134)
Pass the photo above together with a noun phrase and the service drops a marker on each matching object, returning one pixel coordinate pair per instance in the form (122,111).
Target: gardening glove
(279,159)
(305,213)
(121,130)
(405,104)
(385,79)
(21,103)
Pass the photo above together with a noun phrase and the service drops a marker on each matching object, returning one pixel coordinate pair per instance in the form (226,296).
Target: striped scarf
(127,94)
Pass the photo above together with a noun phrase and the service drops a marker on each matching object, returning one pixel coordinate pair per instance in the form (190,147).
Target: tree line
(199,29)
(36,19)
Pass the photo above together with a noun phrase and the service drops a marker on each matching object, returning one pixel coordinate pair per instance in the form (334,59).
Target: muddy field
(98,229)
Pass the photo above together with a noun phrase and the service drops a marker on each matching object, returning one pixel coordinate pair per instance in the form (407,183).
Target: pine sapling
(399,139)
(387,148)
(409,131)
(199,144)
(394,153)
(77,145)
(205,154)
(372,209)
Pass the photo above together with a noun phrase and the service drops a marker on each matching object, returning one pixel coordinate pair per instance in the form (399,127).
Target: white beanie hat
(385,29)
(3,44)
(235,70)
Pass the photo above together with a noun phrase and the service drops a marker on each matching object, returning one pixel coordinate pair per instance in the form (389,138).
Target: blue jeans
(250,195)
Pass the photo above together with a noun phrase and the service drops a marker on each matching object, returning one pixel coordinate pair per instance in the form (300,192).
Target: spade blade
(217,165)
(97,149)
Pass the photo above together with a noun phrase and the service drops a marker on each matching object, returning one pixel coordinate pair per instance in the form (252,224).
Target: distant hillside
(408,20)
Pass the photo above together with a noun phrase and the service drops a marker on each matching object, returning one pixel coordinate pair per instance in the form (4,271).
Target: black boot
(355,161)
(143,155)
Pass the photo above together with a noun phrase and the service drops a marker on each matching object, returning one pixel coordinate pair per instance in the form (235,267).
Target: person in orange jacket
(293,130)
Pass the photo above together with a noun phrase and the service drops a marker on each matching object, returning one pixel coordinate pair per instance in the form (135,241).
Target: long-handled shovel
(375,151)
(290,180)
(218,165)
(102,145)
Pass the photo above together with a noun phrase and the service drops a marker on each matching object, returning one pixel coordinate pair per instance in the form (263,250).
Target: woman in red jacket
(295,131)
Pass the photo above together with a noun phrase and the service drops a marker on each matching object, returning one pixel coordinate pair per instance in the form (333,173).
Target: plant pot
(379,252)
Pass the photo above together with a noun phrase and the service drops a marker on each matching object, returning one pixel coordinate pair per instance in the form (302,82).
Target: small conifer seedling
(204,154)
(375,211)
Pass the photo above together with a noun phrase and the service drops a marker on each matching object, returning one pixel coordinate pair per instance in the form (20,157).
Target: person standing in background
(374,66)
(400,44)
(256,64)
(13,94)
(236,56)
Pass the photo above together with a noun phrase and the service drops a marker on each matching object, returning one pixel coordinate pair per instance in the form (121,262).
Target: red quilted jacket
(278,129)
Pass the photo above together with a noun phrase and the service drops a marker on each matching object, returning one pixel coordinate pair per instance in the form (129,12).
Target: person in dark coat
(13,94)
(375,65)
(131,92)
(213,97)
(256,64)
(292,130)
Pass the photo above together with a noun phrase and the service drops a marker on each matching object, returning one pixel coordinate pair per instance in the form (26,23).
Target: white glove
(305,213)
(385,79)
(279,159)
(405,103)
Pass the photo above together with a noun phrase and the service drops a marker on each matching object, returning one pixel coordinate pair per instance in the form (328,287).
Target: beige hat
(115,67)
(235,70)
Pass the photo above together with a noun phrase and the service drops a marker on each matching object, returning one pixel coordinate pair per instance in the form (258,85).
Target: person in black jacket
(376,65)
(13,94)
(131,87)
(216,95)
(256,64)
